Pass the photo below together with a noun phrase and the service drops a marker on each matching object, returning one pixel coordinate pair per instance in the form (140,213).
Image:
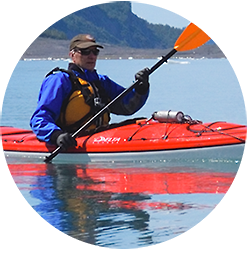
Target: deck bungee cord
(173,119)
(200,132)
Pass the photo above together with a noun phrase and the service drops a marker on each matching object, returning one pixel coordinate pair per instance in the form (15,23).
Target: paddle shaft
(111,103)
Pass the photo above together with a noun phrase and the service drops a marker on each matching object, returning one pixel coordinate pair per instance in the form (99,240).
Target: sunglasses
(88,51)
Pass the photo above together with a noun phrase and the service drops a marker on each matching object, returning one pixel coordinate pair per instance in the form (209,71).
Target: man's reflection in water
(69,203)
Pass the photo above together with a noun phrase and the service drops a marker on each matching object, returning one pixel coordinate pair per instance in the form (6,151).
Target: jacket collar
(84,73)
(73,66)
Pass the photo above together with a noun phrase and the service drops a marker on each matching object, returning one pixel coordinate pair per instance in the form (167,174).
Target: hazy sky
(223,19)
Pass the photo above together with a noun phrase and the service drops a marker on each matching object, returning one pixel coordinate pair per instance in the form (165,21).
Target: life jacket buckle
(98,102)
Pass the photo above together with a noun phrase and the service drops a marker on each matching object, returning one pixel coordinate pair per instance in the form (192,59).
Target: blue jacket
(56,88)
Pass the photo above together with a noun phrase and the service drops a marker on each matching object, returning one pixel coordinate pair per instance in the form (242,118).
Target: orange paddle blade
(191,38)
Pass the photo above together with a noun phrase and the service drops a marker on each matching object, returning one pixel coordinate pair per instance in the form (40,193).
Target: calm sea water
(130,205)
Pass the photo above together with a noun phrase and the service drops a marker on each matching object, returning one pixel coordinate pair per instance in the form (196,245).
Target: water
(130,205)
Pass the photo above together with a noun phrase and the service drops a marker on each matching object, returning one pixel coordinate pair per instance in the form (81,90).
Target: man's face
(86,58)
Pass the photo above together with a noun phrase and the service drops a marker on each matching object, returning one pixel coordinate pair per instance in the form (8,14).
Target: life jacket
(84,100)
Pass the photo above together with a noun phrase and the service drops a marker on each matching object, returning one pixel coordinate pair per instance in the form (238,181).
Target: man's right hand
(62,139)
(65,140)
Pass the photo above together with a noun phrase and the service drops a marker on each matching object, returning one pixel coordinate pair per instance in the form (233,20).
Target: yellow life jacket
(84,100)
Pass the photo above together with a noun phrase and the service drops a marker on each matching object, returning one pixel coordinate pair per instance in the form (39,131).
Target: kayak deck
(140,140)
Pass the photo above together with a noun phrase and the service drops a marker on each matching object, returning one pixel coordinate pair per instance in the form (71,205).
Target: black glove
(143,86)
(63,140)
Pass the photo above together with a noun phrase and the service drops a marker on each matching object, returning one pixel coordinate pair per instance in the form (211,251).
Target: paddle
(191,38)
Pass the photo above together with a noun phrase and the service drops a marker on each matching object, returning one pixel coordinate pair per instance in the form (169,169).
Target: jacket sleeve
(130,104)
(55,88)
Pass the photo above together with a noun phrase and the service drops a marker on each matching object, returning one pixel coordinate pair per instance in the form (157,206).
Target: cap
(83,41)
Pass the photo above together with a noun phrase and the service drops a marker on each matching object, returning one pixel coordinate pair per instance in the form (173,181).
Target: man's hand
(143,77)
(65,140)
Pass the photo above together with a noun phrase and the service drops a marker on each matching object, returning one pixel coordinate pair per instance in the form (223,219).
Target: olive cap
(83,41)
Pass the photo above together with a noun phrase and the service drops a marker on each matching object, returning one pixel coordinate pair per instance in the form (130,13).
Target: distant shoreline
(51,49)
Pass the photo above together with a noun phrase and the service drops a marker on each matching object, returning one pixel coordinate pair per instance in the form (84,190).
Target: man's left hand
(143,77)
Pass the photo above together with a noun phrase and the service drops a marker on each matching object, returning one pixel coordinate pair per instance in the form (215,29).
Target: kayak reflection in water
(95,204)
(69,98)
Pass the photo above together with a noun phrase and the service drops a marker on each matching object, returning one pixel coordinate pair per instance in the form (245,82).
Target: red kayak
(136,140)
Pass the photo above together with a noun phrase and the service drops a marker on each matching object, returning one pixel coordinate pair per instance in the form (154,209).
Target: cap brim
(85,45)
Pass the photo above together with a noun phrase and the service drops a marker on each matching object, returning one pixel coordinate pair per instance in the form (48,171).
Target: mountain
(114,23)
(229,42)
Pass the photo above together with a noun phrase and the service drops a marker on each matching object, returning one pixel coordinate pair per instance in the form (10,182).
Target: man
(68,98)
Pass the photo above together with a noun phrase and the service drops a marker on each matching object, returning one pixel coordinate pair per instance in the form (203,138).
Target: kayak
(141,139)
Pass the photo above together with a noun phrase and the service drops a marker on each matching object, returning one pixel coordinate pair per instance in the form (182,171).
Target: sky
(223,19)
